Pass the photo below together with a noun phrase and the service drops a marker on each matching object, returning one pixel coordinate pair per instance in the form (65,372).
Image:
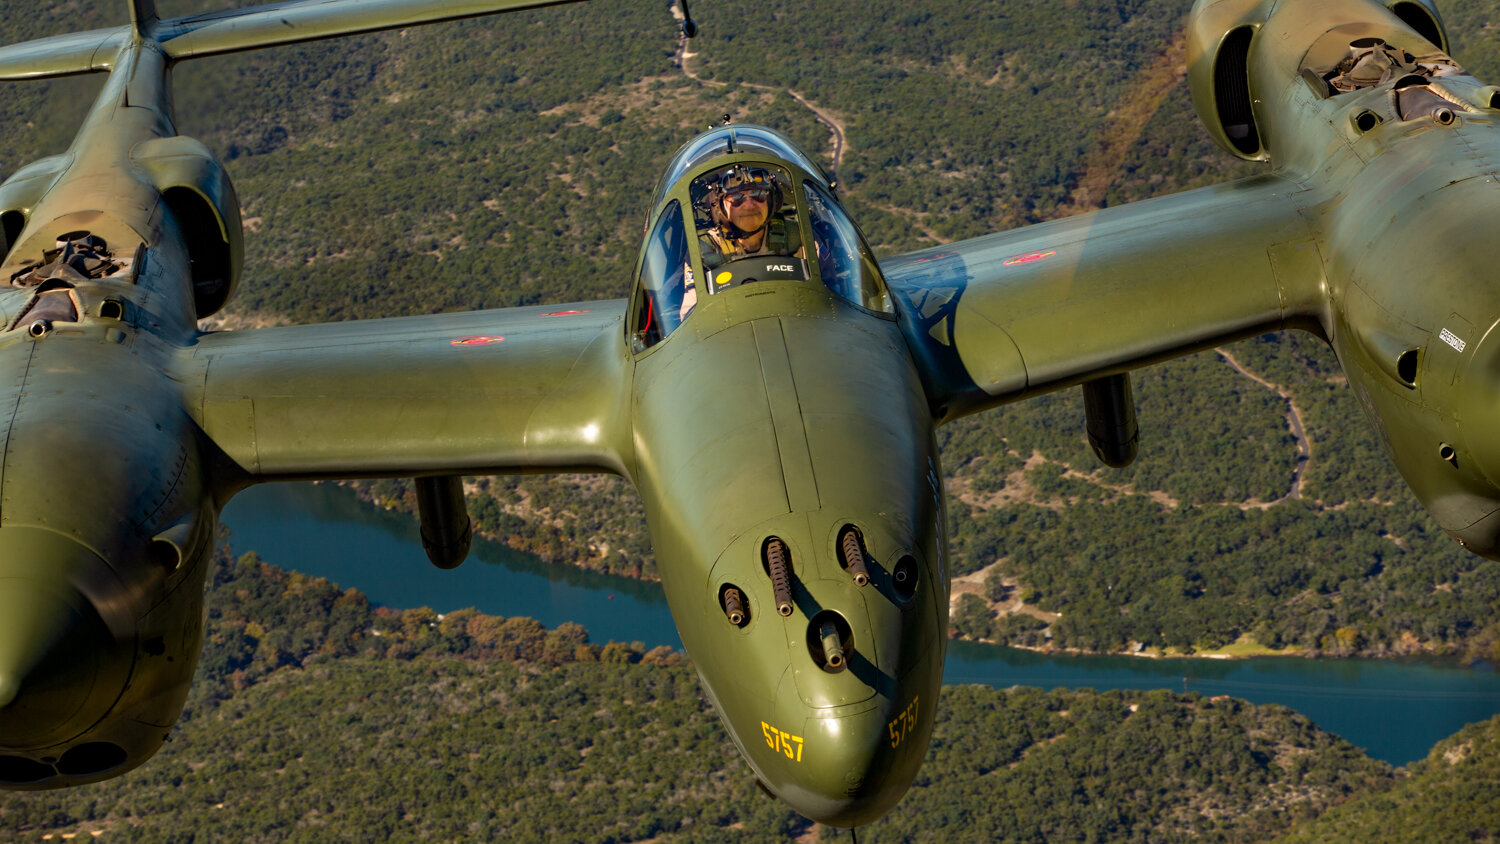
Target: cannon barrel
(833,649)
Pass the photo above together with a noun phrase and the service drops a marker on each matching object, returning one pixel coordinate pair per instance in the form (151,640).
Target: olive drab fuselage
(780,411)
(784,412)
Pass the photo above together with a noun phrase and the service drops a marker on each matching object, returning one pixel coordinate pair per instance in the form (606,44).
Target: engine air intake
(18,770)
(91,758)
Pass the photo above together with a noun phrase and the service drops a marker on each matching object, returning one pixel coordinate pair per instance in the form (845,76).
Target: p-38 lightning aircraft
(769,388)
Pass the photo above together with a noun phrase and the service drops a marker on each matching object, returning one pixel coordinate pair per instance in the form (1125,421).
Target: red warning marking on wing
(1029,257)
(567,313)
(477,340)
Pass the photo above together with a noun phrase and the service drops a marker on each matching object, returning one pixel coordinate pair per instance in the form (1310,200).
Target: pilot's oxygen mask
(748,226)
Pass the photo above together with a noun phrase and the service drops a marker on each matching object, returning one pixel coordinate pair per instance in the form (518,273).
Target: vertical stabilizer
(142,16)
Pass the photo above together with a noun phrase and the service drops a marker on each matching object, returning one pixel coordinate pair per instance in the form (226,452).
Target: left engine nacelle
(197,191)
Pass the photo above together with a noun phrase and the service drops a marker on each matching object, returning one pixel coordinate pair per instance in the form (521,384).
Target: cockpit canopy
(741,204)
(733,139)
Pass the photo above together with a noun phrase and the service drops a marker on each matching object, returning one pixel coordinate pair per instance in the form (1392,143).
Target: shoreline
(972,584)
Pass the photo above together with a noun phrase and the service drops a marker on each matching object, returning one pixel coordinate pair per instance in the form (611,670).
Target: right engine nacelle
(1221,34)
(197,191)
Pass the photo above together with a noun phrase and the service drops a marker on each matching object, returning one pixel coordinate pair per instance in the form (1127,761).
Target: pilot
(743,206)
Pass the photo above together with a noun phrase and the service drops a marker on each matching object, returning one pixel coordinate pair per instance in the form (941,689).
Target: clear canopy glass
(727,140)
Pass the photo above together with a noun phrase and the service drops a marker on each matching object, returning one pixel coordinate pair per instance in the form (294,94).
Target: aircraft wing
(514,390)
(1011,315)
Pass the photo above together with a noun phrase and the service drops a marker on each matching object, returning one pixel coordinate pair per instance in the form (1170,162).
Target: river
(1395,709)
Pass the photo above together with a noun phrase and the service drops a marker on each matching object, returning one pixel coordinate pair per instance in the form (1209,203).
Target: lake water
(1395,709)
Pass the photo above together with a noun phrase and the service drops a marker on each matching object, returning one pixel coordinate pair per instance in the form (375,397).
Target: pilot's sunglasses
(738,199)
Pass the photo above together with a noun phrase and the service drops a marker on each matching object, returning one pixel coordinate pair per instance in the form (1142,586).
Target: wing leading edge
(1015,314)
(507,391)
(989,320)
(234,30)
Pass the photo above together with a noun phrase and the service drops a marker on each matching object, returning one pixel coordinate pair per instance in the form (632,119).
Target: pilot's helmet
(750,188)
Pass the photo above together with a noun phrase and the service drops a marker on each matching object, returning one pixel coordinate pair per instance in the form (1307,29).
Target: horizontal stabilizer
(63,55)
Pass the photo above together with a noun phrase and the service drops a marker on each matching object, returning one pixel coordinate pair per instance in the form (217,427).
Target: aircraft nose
(858,765)
(51,640)
(835,615)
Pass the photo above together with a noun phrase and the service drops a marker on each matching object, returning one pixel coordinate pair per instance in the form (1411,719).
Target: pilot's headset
(737,178)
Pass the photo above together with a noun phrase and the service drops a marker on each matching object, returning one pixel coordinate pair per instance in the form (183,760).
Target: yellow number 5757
(789,745)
